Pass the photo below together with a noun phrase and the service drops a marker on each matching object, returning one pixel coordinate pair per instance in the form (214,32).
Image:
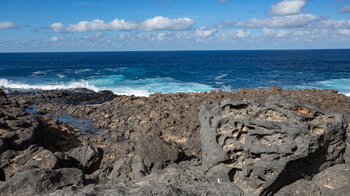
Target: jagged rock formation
(261,148)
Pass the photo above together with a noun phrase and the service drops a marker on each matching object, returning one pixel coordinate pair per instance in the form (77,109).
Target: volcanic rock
(264,147)
(89,157)
(41,181)
(17,128)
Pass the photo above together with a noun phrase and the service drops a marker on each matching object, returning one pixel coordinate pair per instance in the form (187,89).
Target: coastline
(166,120)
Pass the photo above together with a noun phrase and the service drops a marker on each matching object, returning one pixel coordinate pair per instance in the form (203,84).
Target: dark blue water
(141,73)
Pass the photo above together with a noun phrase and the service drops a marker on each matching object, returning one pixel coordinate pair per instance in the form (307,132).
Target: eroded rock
(263,147)
(89,157)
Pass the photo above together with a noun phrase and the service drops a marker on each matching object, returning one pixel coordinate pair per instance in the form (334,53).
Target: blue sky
(119,25)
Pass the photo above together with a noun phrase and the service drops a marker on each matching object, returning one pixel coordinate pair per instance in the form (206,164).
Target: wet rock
(264,147)
(74,97)
(89,157)
(41,181)
(334,180)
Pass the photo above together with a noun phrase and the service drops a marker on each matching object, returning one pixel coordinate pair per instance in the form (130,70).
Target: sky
(138,25)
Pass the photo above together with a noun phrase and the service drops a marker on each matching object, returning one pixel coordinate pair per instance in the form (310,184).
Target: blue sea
(143,73)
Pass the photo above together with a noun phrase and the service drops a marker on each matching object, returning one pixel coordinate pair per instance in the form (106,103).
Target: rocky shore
(249,142)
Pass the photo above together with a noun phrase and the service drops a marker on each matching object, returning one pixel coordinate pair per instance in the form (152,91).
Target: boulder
(12,161)
(334,180)
(126,169)
(41,181)
(300,187)
(89,157)
(155,152)
(261,148)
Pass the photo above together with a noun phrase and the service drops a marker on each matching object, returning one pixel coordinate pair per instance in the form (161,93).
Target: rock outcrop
(261,148)
(41,181)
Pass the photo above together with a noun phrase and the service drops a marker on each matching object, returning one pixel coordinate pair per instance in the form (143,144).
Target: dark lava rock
(126,169)
(261,148)
(89,157)
(155,152)
(334,180)
(41,181)
(17,128)
(173,180)
(300,187)
(179,180)
(74,97)
(12,162)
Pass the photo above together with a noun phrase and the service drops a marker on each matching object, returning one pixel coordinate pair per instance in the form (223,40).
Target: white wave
(81,70)
(221,76)
(60,75)
(39,72)
(4,83)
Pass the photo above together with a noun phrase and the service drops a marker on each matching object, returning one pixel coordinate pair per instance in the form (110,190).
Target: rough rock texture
(332,181)
(261,148)
(41,181)
(12,161)
(17,128)
(173,180)
(126,169)
(74,97)
(300,187)
(89,157)
(155,152)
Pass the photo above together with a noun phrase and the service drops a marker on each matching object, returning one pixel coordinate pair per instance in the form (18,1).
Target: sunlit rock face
(261,148)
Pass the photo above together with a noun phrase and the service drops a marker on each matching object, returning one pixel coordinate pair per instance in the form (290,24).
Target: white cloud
(204,32)
(345,9)
(344,31)
(237,34)
(275,33)
(287,7)
(153,24)
(290,21)
(54,38)
(333,24)
(6,25)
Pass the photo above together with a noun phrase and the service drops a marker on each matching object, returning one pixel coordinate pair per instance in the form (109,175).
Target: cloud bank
(153,24)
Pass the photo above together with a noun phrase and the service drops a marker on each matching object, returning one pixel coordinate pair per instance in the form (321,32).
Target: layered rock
(261,148)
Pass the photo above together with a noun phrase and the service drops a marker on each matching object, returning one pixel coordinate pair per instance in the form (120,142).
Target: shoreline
(147,138)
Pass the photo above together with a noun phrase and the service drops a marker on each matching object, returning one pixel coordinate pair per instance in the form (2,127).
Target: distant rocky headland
(248,142)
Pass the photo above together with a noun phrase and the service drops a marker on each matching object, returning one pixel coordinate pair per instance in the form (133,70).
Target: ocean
(143,73)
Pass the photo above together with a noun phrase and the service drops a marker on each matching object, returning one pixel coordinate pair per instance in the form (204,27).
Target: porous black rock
(261,148)
(41,181)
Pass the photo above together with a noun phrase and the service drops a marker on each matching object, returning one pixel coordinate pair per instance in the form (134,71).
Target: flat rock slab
(261,148)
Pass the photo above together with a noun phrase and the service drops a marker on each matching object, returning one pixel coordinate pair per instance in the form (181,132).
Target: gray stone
(89,157)
(41,181)
(300,187)
(126,169)
(334,180)
(265,147)
(155,152)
